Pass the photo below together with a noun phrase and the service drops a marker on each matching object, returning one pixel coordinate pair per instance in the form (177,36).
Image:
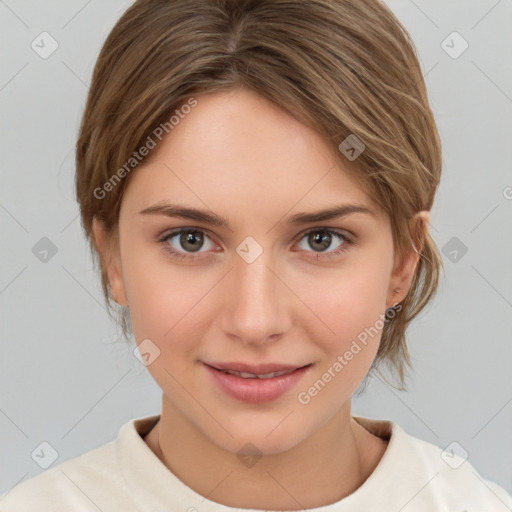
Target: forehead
(238,151)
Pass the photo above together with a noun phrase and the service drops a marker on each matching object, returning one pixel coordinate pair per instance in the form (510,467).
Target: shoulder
(425,477)
(92,481)
(451,476)
(73,483)
(447,479)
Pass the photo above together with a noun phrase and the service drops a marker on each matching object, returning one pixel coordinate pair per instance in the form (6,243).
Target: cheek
(154,294)
(353,309)
(164,302)
(348,301)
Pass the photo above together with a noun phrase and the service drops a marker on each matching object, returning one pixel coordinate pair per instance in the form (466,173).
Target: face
(224,265)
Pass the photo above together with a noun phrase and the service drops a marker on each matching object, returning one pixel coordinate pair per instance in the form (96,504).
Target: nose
(256,306)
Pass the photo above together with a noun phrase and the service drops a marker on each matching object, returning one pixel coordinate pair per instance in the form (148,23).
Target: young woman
(255,179)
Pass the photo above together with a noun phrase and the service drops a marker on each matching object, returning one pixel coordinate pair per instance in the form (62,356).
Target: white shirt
(125,475)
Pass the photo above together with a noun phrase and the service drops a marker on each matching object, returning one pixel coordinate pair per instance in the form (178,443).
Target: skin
(248,160)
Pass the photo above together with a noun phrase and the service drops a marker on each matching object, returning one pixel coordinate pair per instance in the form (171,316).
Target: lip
(258,369)
(255,390)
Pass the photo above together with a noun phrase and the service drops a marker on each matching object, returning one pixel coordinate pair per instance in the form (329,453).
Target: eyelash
(317,256)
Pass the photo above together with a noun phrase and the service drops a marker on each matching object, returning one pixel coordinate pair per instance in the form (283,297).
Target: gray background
(67,377)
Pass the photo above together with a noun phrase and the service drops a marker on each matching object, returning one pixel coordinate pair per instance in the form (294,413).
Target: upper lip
(257,369)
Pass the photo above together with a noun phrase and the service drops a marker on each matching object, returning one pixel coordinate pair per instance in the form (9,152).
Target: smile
(247,375)
(264,383)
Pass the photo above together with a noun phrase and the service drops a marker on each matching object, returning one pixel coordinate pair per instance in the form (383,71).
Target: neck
(324,468)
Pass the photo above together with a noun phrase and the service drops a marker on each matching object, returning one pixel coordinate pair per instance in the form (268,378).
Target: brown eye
(191,241)
(323,244)
(187,241)
(320,240)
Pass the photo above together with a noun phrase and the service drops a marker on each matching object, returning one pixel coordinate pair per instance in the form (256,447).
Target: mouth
(263,371)
(247,375)
(256,384)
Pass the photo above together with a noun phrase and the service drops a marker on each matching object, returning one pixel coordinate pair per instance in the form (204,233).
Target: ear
(404,267)
(107,246)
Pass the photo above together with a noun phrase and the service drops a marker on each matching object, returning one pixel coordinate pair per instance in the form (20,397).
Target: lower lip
(257,391)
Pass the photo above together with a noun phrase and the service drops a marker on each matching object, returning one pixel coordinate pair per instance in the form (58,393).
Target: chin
(259,444)
(269,436)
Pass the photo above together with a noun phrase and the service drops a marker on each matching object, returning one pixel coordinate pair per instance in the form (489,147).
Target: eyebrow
(174,210)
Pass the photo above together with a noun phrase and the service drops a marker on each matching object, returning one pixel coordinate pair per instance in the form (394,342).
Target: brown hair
(342,67)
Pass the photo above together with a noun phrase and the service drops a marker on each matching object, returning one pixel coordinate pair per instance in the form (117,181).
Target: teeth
(269,375)
(247,375)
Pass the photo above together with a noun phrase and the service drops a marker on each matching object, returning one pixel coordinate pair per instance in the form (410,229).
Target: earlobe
(107,247)
(403,273)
